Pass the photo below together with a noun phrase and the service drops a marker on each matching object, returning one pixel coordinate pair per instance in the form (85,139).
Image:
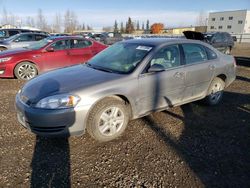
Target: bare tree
(56,27)
(202,18)
(4,17)
(41,21)
(30,21)
(70,21)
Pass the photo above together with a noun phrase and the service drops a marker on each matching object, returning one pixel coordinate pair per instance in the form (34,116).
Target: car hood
(12,52)
(194,35)
(65,80)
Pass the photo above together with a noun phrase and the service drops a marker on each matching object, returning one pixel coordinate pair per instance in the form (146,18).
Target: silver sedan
(126,81)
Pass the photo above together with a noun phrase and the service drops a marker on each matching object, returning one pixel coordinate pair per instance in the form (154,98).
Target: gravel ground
(188,146)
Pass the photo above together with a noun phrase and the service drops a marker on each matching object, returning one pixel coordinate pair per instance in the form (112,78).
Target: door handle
(211,67)
(179,75)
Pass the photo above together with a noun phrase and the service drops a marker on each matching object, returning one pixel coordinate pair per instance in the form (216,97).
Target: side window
(218,38)
(194,53)
(13,32)
(24,38)
(60,45)
(40,37)
(79,43)
(210,54)
(168,57)
(2,33)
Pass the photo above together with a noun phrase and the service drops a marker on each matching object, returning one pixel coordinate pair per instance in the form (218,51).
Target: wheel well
(223,77)
(22,62)
(3,47)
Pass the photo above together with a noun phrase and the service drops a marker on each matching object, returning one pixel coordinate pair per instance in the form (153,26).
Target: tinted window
(13,32)
(60,45)
(167,57)
(210,54)
(79,43)
(24,38)
(194,53)
(39,37)
(218,37)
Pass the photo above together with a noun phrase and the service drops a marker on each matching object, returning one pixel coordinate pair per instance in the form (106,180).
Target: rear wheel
(25,71)
(215,91)
(108,119)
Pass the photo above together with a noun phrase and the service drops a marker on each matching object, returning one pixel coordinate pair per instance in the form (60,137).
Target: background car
(128,80)
(47,54)
(6,33)
(21,40)
(222,41)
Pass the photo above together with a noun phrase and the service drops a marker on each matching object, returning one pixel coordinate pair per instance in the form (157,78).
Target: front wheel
(215,91)
(108,119)
(25,71)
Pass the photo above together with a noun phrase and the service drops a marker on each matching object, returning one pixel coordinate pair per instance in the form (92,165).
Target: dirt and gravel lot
(188,146)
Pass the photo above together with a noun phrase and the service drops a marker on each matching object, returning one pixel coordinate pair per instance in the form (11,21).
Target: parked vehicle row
(6,33)
(47,54)
(21,40)
(128,80)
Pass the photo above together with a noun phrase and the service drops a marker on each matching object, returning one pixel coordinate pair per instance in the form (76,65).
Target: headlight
(5,59)
(58,102)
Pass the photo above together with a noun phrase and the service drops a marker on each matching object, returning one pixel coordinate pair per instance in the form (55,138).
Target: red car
(47,54)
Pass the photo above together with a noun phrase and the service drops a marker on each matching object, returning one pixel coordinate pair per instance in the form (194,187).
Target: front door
(58,57)
(162,89)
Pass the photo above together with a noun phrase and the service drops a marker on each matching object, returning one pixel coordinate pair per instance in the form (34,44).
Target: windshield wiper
(99,68)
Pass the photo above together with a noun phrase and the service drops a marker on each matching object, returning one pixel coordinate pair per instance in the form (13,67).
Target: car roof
(65,37)
(157,41)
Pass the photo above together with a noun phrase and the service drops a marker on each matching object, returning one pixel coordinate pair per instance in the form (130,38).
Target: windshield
(39,44)
(120,58)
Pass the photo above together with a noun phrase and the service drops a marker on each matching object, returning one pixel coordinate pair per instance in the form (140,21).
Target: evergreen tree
(147,26)
(122,28)
(138,26)
(129,26)
(116,27)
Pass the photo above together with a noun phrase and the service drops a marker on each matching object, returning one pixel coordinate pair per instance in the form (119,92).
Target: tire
(215,92)
(108,119)
(2,49)
(25,71)
(228,51)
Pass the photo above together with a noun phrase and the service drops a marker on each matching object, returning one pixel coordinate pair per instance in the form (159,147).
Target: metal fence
(242,37)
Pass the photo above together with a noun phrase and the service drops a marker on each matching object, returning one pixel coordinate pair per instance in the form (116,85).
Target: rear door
(162,89)
(80,51)
(58,57)
(199,70)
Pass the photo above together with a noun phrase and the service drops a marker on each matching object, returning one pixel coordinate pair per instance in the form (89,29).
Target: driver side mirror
(156,68)
(50,49)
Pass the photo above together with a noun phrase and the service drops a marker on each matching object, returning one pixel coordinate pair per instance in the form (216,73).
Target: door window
(194,53)
(13,32)
(2,33)
(79,43)
(60,45)
(40,37)
(24,38)
(168,57)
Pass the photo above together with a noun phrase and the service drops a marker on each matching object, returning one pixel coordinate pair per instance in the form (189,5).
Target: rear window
(194,53)
(210,53)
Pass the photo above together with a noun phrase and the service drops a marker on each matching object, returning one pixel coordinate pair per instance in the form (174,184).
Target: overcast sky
(99,13)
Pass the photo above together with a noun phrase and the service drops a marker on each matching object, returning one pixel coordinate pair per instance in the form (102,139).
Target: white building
(237,21)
